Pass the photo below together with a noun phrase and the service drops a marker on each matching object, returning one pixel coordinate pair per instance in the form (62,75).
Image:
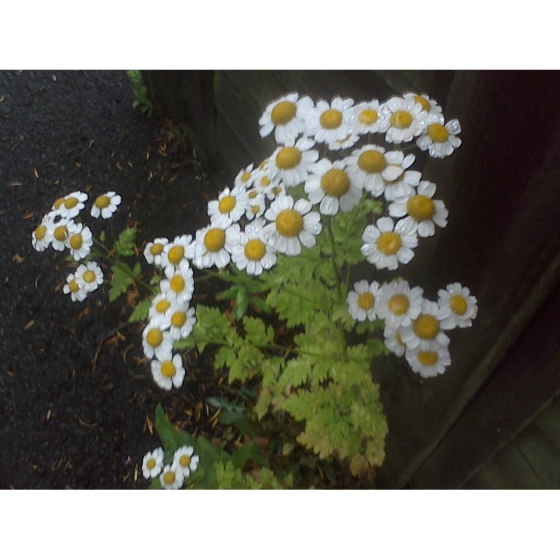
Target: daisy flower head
(42,235)
(427,327)
(286,116)
(168,372)
(181,321)
(80,241)
(71,205)
(327,122)
(213,245)
(461,304)
(406,119)
(256,204)
(362,300)
(367,118)
(245,178)
(386,244)
(229,207)
(152,463)
(371,167)
(89,276)
(184,460)
(253,253)
(174,253)
(292,225)
(106,205)
(331,186)
(430,360)
(179,285)
(154,250)
(419,209)
(156,341)
(171,478)
(404,183)
(393,340)
(429,105)
(61,232)
(291,164)
(399,304)
(440,139)
(77,293)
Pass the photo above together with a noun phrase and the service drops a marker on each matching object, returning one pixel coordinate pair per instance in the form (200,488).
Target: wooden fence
(502,190)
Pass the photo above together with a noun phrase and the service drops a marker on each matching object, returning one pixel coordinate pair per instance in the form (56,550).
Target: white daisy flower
(80,241)
(429,361)
(256,204)
(252,253)
(160,310)
(229,207)
(331,186)
(72,287)
(213,246)
(426,327)
(70,205)
(89,276)
(399,304)
(371,167)
(386,244)
(419,209)
(327,122)
(461,304)
(393,340)
(181,321)
(175,253)
(292,225)
(152,463)
(367,118)
(171,478)
(42,236)
(154,250)
(292,164)
(62,230)
(429,105)
(406,119)
(169,372)
(179,286)
(156,341)
(286,116)
(245,178)
(362,300)
(184,460)
(440,140)
(405,182)
(347,142)
(105,205)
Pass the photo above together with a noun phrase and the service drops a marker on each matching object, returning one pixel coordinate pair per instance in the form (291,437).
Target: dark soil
(77,399)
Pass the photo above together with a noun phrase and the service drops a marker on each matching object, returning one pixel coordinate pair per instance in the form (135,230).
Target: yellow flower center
(389,242)
(227,204)
(177,283)
(58,203)
(154,337)
(60,233)
(331,119)
(102,201)
(420,207)
(398,304)
(76,241)
(185,461)
(437,132)
(255,250)
(458,304)
(246,176)
(162,306)
(426,326)
(335,182)
(423,101)
(73,286)
(168,368)
(40,233)
(428,358)
(288,158)
(176,254)
(368,117)
(255,209)
(169,478)
(89,276)
(215,239)
(71,202)
(366,300)
(283,112)
(265,182)
(151,463)
(156,249)
(253,194)
(179,319)
(289,223)
(372,161)
(401,119)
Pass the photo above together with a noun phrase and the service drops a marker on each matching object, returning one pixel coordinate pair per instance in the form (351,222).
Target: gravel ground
(76,398)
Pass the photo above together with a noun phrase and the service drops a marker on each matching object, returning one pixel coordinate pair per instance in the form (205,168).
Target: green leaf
(241,302)
(140,312)
(122,279)
(124,245)
(256,331)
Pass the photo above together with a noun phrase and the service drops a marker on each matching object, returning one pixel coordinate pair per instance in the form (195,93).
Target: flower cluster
(60,230)
(173,476)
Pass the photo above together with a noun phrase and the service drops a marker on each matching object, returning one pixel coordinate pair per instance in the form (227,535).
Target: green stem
(333,257)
